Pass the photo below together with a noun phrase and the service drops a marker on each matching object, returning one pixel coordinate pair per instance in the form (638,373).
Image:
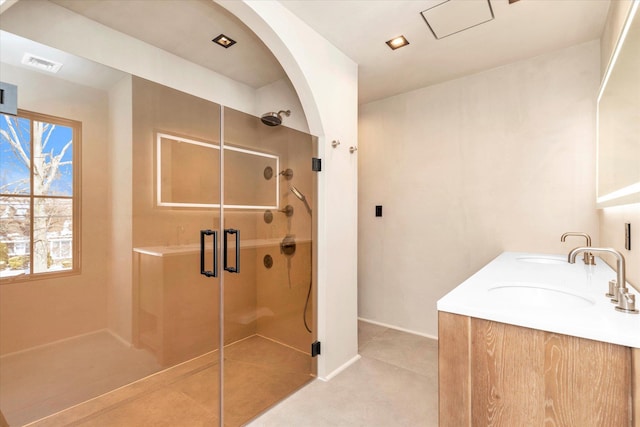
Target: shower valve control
(288,245)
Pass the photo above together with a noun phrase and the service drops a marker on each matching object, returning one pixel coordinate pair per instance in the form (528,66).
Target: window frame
(75,198)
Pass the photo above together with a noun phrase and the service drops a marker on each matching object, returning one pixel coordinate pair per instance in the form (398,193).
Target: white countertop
(587,313)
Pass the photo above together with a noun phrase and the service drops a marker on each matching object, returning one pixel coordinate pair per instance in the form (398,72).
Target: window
(39,189)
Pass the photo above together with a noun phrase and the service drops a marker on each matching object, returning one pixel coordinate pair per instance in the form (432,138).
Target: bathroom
(554,187)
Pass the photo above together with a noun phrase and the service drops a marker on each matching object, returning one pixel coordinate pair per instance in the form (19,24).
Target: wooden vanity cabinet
(495,374)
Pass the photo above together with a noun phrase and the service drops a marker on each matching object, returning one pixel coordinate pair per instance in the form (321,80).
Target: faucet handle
(627,302)
(589,258)
(612,290)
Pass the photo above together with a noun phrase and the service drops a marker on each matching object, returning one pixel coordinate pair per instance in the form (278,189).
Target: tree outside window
(38,200)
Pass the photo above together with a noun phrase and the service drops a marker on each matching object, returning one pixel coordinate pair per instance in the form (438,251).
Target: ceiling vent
(41,63)
(450,17)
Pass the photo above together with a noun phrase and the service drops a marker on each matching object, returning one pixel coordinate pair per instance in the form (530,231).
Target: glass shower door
(268,289)
(176,221)
(134,338)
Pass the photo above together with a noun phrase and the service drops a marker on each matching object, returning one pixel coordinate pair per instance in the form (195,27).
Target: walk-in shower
(145,314)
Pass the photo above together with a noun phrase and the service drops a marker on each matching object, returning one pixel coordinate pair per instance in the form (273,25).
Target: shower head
(297,193)
(274,119)
(300,196)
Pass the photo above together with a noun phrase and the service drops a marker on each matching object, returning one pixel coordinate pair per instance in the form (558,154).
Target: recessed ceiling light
(41,63)
(397,42)
(224,41)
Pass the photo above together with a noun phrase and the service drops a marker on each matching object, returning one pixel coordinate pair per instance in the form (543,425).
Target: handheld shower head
(274,119)
(297,193)
(301,197)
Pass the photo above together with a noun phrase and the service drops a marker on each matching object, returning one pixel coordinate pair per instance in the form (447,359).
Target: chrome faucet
(626,301)
(588,257)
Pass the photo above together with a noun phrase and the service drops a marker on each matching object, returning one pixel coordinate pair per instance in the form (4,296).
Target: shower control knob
(288,245)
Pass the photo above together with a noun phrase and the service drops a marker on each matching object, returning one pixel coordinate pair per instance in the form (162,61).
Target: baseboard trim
(397,328)
(340,369)
(52,343)
(122,340)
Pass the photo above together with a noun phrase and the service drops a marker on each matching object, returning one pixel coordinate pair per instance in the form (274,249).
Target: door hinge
(316,164)
(315,349)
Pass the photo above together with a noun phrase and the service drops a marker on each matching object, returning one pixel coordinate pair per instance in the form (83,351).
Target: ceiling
(186,28)
(75,69)
(359,28)
(520,30)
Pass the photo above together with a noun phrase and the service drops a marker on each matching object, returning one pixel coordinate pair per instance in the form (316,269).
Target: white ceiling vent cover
(41,63)
(452,16)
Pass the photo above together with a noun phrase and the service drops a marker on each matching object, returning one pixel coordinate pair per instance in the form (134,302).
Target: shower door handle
(214,272)
(225,251)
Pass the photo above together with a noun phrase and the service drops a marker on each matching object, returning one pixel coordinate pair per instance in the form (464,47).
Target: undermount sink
(541,259)
(539,295)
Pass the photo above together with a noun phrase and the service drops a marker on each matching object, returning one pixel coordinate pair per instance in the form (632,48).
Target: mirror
(618,126)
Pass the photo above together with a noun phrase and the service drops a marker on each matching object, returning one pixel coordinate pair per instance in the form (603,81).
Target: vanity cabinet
(497,374)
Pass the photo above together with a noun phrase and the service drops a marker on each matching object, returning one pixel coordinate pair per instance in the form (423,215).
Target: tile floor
(258,373)
(42,381)
(395,383)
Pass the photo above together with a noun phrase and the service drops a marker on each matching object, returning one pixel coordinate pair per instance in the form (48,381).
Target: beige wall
(612,220)
(42,311)
(498,161)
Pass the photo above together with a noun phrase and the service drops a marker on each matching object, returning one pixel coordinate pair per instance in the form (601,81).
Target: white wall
(498,161)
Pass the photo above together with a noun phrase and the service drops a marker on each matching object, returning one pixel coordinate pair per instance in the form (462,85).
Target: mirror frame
(629,194)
